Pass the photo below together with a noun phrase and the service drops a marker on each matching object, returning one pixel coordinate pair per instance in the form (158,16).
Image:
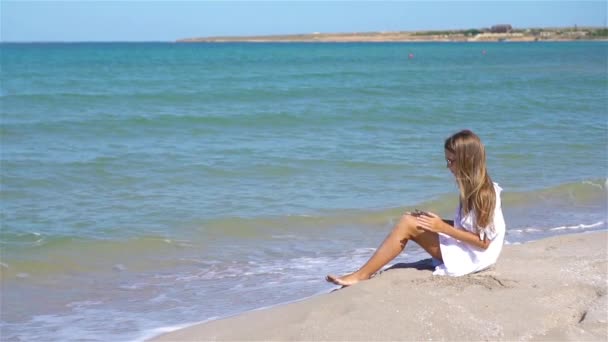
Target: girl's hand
(431,223)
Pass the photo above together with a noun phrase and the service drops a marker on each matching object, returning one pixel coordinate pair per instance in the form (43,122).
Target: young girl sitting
(470,243)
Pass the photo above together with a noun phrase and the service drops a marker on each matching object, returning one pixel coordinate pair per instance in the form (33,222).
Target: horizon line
(277,34)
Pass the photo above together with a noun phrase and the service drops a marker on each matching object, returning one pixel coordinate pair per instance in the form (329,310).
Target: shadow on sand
(424,264)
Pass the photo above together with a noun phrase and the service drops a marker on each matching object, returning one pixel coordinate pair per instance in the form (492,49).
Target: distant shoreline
(290,42)
(448,36)
(472,35)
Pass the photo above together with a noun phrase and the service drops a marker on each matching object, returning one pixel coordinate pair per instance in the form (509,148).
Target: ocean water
(146,186)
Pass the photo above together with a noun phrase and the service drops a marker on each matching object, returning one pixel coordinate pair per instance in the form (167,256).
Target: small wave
(597,185)
(201,122)
(22,238)
(578,226)
(130,287)
(119,267)
(525,230)
(575,193)
(282,227)
(83,303)
(555,229)
(280,270)
(512,243)
(149,334)
(60,255)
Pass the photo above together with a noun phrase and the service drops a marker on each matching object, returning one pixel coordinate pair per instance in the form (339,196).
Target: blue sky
(87,20)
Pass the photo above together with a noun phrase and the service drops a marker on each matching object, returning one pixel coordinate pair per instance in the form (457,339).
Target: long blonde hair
(476,188)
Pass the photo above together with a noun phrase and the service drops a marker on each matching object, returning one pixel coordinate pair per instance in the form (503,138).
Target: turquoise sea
(149,185)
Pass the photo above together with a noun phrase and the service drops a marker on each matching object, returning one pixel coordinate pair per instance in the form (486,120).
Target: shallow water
(149,185)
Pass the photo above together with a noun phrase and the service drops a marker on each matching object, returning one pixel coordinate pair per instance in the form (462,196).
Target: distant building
(501,28)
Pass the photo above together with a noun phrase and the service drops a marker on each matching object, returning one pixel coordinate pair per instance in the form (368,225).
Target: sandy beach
(548,290)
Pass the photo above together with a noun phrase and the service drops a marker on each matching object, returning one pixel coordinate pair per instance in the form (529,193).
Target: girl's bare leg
(394,244)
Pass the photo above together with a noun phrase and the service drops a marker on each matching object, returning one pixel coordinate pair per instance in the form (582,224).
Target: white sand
(553,289)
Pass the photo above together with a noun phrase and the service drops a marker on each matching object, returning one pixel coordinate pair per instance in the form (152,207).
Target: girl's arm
(434,223)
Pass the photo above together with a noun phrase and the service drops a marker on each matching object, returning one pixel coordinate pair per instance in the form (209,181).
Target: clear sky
(87,20)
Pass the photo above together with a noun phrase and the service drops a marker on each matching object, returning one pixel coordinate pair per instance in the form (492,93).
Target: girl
(470,243)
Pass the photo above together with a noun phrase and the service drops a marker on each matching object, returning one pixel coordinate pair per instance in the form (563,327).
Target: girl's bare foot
(346,280)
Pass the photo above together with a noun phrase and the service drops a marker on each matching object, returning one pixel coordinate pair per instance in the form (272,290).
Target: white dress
(460,258)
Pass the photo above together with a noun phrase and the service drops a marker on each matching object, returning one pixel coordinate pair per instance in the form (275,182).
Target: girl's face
(450,159)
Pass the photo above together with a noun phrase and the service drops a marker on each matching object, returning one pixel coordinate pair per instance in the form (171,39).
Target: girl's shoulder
(497,191)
